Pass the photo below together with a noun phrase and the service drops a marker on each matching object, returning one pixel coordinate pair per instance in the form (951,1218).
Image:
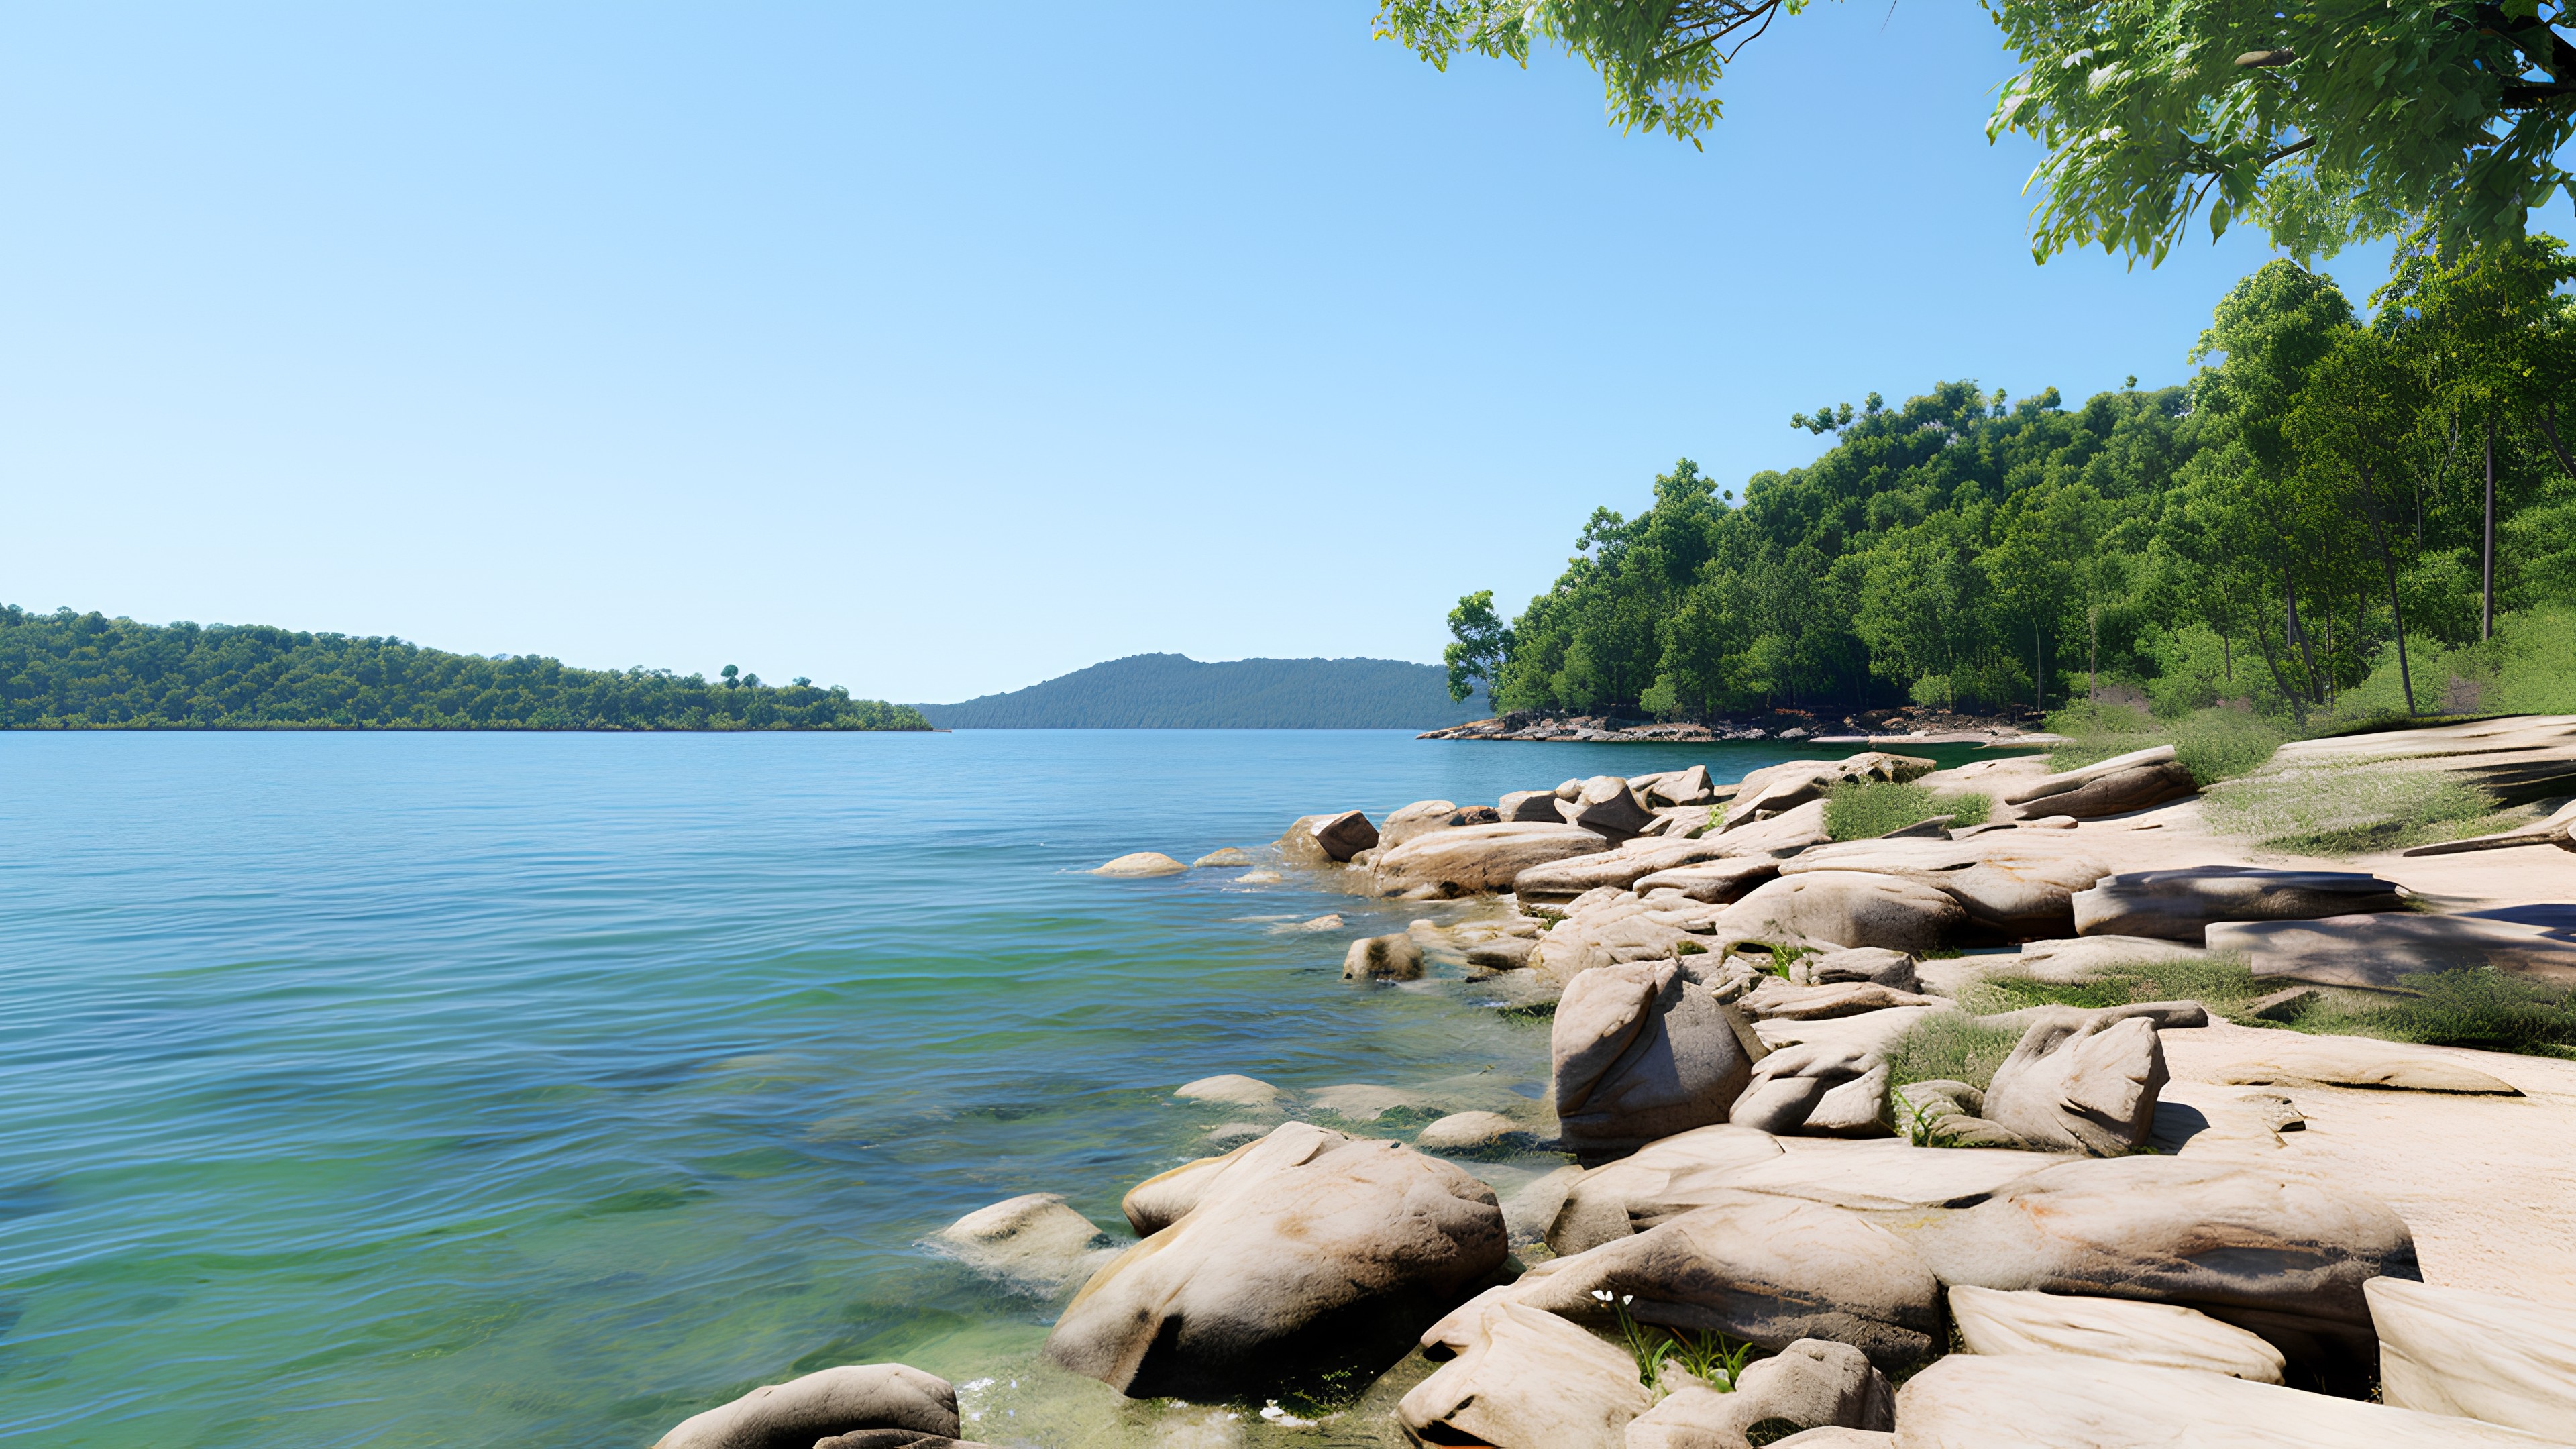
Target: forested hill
(1172,691)
(86,671)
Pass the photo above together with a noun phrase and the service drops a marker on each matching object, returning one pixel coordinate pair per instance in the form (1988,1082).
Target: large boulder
(1842,908)
(824,1403)
(2279,1253)
(2477,1355)
(1345,835)
(2081,1081)
(1310,1254)
(1419,818)
(1474,859)
(1716,882)
(2115,786)
(1517,1378)
(1383,958)
(1529,807)
(1813,1383)
(1622,868)
(1761,1267)
(1605,805)
(1033,1242)
(2054,1401)
(1676,787)
(2180,905)
(2011,886)
(2379,951)
(1641,1051)
(1777,788)
(2291,1060)
(1991,1321)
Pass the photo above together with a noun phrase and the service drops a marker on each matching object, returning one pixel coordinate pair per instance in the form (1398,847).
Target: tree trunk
(2093,655)
(2272,661)
(2388,570)
(2486,570)
(2298,635)
(2038,672)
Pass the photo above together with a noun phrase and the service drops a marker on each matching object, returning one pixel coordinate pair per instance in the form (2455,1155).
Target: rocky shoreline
(2148,1223)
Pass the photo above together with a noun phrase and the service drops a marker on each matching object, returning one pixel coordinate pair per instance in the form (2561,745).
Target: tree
(1479,642)
(2324,124)
(2353,427)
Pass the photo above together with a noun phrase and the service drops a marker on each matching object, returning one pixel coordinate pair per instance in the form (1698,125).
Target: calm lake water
(545,1089)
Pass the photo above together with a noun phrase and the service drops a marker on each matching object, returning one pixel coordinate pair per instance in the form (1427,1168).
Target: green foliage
(1172,691)
(1478,642)
(1950,1046)
(1872,808)
(87,671)
(2214,744)
(2345,810)
(1711,1357)
(2222,984)
(1658,62)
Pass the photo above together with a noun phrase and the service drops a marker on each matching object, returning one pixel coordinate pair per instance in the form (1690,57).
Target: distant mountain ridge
(1174,691)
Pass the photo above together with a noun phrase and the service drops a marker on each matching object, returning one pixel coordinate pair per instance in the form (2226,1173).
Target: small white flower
(1627,1299)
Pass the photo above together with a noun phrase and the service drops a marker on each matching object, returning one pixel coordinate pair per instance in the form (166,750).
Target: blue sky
(937,350)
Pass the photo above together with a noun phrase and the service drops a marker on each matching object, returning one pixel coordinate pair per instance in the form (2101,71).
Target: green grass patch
(1950,1046)
(2486,1009)
(1872,808)
(2214,744)
(2346,809)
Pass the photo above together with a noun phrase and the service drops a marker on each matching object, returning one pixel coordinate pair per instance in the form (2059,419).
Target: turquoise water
(542,1090)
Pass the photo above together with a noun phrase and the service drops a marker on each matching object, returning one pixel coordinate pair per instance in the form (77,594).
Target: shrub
(1950,1046)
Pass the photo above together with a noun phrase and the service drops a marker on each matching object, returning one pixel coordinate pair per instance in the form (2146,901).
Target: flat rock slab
(1716,882)
(1829,908)
(1995,1322)
(2013,884)
(1660,1180)
(2180,905)
(2352,1061)
(1887,1173)
(2088,958)
(1474,859)
(1775,997)
(2379,951)
(2516,759)
(2275,1251)
(2477,1355)
(2063,1401)
(1563,880)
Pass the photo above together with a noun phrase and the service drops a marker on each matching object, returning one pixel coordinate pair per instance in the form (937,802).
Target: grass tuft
(2484,1008)
(1870,809)
(2214,744)
(2346,809)
(1950,1046)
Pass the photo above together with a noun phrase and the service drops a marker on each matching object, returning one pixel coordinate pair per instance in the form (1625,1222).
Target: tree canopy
(2324,124)
(68,670)
(2273,532)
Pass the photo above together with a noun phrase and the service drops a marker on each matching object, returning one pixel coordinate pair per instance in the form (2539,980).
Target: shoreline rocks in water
(1730,990)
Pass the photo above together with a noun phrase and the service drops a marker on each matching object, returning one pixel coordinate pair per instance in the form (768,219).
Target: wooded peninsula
(67,670)
(2338,516)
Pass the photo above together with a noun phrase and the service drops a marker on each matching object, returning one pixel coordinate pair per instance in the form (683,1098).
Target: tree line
(68,670)
(2327,487)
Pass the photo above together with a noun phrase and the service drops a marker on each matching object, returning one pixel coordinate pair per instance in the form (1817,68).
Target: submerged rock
(1223,857)
(1470,1132)
(1383,958)
(853,1397)
(1033,1241)
(1309,1254)
(1230,1088)
(1143,862)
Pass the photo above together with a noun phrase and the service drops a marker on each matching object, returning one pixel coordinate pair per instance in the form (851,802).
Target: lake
(538,1089)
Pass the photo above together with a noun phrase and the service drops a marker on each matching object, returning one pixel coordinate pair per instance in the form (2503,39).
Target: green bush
(1871,809)
(2217,743)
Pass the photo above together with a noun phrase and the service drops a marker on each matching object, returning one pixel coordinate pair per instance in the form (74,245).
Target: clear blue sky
(940,349)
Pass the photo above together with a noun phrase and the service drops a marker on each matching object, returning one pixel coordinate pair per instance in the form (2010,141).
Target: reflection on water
(504,1090)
